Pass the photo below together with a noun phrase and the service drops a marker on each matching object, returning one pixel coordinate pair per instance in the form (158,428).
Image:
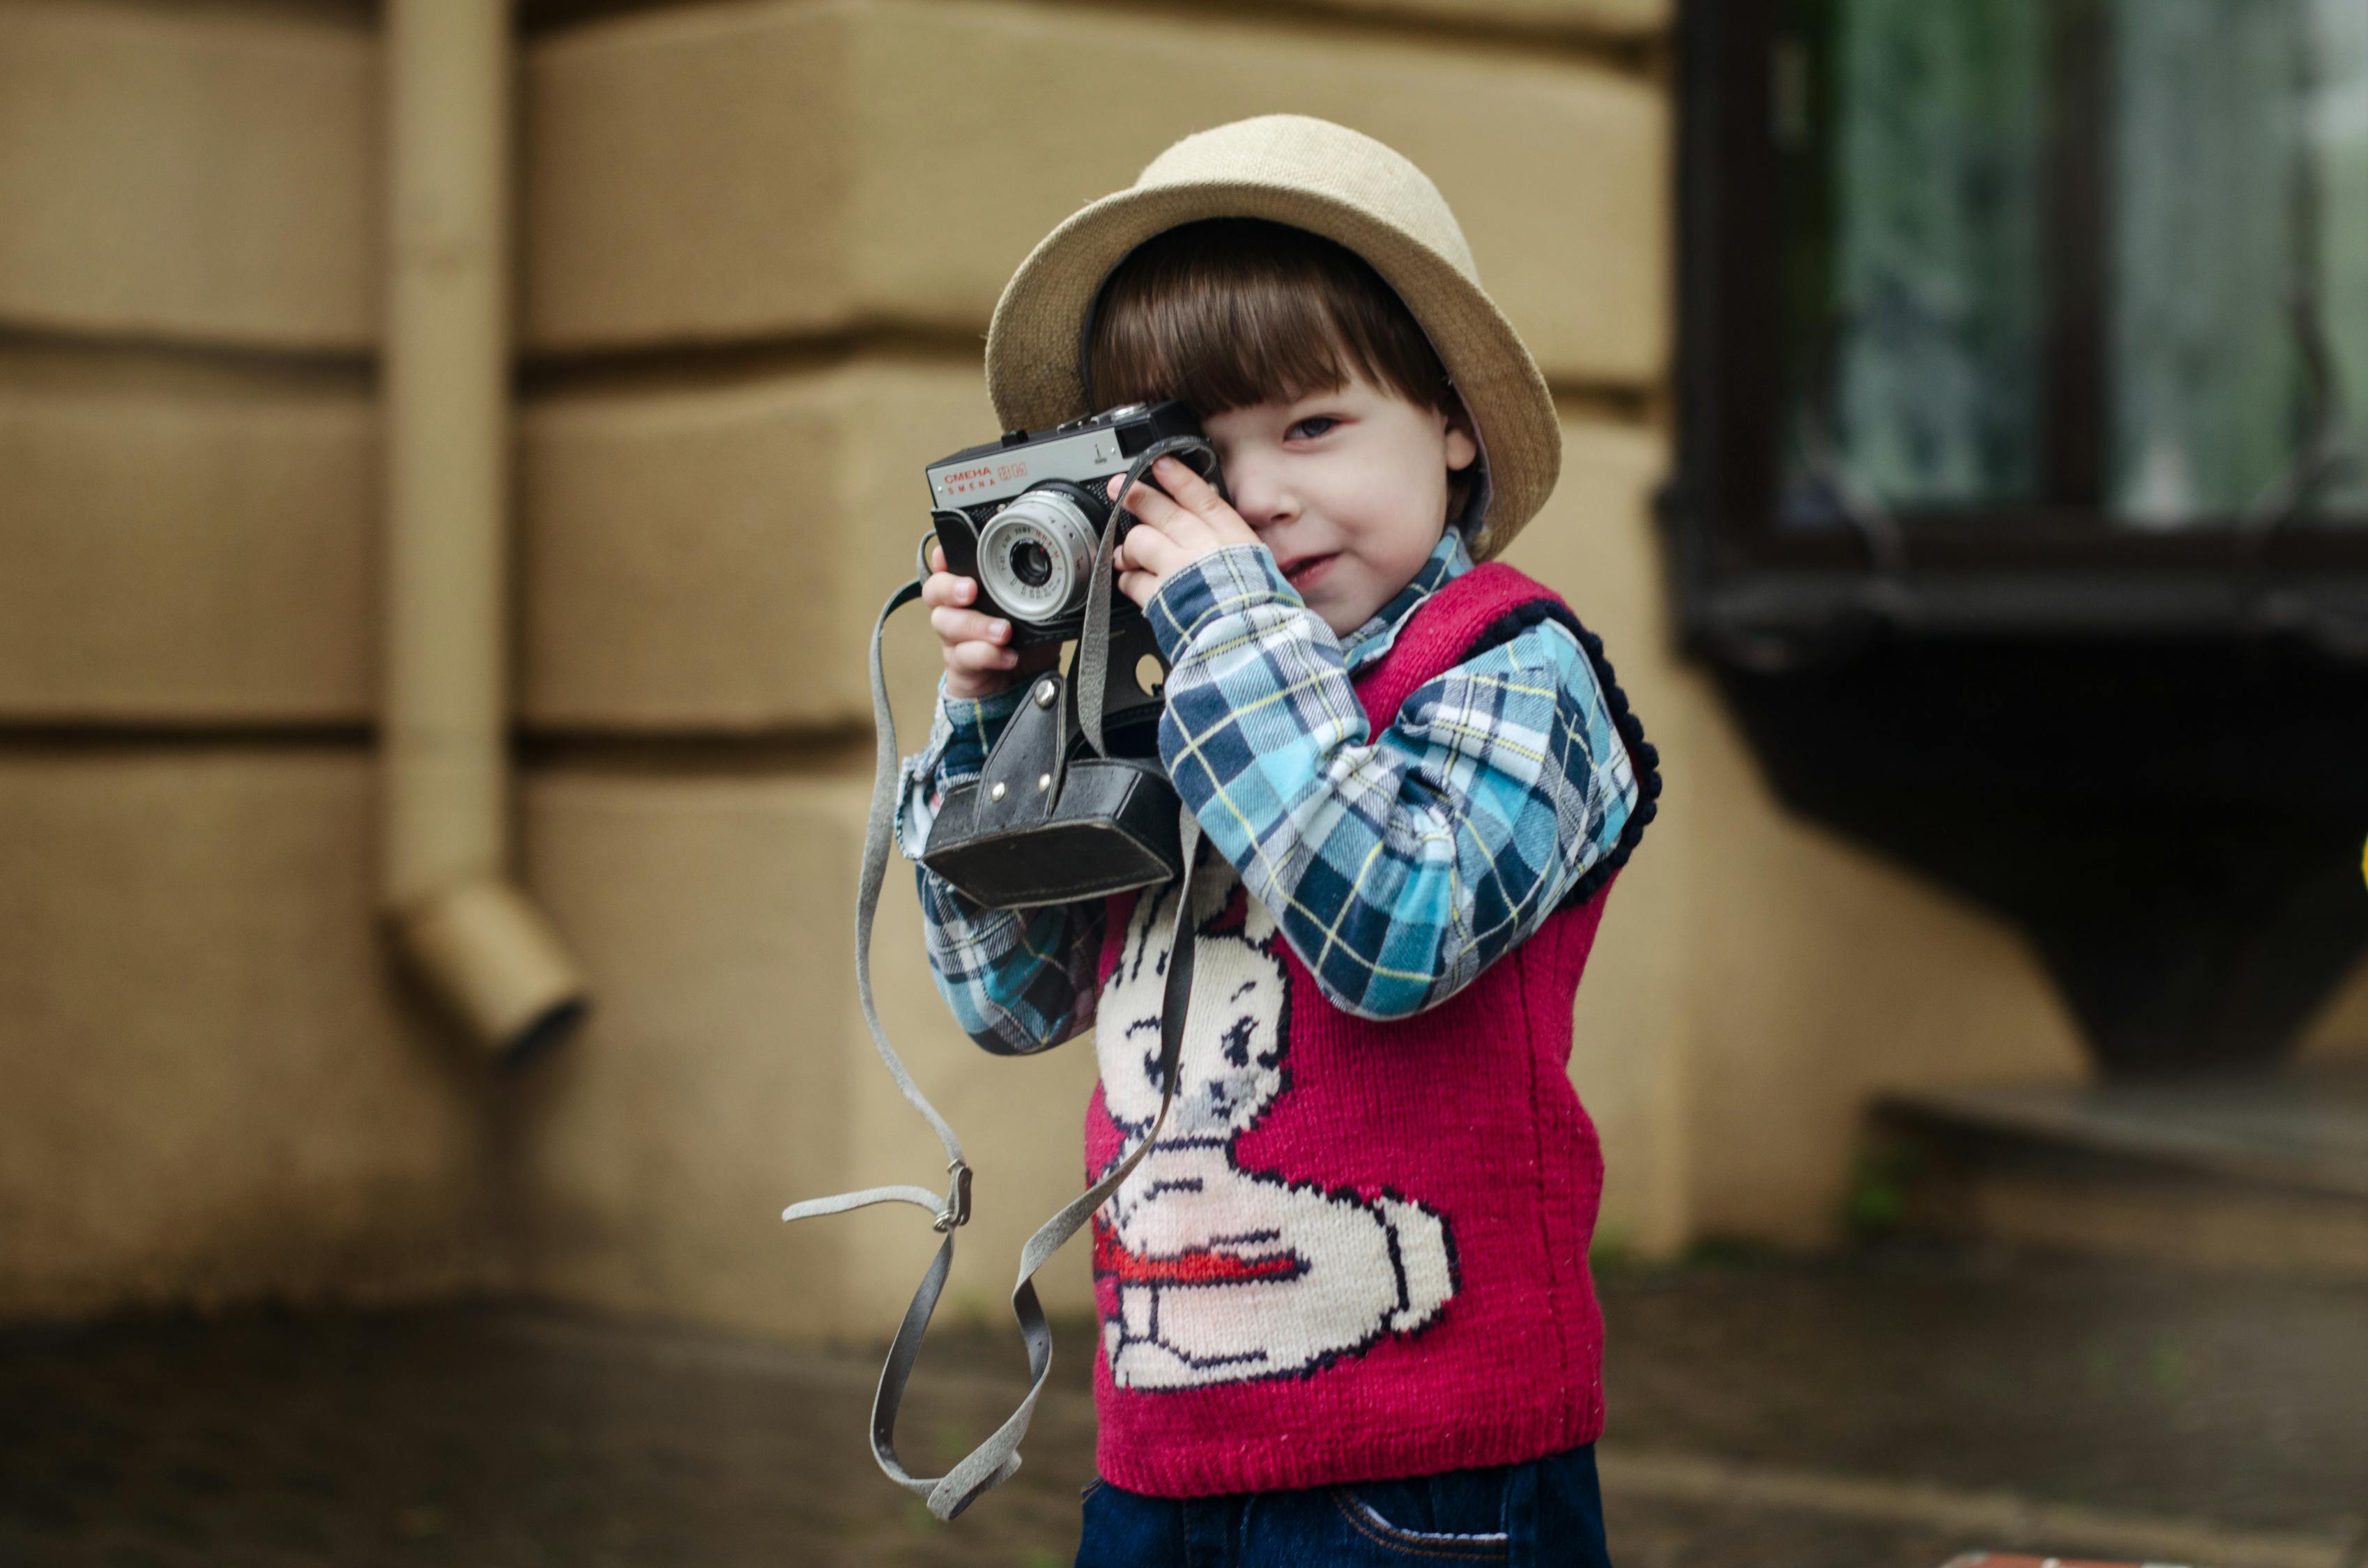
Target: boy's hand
(1175,529)
(980,660)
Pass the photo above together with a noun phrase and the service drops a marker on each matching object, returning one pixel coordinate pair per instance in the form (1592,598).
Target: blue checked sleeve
(1399,864)
(1016,981)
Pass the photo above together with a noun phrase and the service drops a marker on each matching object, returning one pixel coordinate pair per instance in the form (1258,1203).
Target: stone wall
(761,240)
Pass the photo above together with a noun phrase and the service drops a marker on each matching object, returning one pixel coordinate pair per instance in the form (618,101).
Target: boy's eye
(1314,425)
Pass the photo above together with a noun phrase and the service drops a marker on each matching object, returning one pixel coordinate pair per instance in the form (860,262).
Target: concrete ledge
(120,127)
(2261,1174)
(768,171)
(2165,1219)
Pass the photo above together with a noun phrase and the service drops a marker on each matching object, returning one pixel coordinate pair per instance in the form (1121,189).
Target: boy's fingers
(1149,550)
(1188,489)
(1163,519)
(1149,505)
(980,657)
(938,558)
(941,589)
(1189,508)
(968,626)
(1204,501)
(1138,586)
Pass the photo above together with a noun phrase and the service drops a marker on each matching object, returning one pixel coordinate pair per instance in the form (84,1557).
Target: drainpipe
(463,927)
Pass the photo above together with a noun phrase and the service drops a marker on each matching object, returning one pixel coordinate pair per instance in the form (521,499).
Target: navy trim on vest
(1642,755)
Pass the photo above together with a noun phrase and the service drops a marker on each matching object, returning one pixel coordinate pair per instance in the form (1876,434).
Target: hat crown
(1330,181)
(1329,161)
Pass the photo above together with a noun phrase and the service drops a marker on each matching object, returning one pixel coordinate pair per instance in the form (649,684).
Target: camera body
(1022,515)
(1056,816)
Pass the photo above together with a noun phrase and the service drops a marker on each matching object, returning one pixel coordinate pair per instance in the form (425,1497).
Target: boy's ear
(1463,445)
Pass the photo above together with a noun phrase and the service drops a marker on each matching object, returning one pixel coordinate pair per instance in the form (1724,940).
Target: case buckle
(957,1209)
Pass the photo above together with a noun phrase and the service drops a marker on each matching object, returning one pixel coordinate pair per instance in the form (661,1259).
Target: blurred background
(450,454)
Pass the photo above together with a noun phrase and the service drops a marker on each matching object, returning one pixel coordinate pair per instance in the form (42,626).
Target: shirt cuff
(960,737)
(1224,581)
(971,725)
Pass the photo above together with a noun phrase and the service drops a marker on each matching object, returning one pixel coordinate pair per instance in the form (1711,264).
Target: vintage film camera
(1022,515)
(1055,817)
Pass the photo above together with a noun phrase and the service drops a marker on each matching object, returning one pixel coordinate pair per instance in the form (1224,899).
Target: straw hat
(1332,181)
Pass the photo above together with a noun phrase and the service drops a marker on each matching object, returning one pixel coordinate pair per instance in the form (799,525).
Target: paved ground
(1893,1408)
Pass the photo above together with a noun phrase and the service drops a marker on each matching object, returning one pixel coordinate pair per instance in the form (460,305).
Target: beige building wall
(761,242)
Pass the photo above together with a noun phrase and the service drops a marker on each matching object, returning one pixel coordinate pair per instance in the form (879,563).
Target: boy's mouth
(1303,573)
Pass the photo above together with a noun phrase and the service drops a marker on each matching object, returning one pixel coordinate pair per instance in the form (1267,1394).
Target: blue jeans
(1545,1514)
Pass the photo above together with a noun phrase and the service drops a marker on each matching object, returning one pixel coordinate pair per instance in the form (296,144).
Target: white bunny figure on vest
(1224,1274)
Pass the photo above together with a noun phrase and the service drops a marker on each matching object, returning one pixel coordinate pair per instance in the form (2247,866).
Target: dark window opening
(2029,282)
(2020,506)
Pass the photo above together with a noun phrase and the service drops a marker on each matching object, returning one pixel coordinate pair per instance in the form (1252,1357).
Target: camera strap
(1093,638)
(996,1459)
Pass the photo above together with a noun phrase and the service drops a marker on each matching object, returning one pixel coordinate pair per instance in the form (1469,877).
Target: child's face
(1348,490)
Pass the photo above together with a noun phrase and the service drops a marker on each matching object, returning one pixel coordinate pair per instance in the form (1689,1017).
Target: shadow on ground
(1890,1408)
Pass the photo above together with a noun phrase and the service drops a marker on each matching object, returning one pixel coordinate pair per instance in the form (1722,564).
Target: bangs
(1233,311)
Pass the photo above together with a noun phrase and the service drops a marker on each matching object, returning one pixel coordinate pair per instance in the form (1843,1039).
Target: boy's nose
(1262,502)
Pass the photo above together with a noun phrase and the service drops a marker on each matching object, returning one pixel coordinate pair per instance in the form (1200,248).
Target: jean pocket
(1456,1546)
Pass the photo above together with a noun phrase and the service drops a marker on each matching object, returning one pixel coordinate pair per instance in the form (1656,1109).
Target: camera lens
(1035,555)
(1032,564)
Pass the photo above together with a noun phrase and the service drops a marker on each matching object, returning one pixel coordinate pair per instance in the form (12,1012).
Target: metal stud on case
(1046,690)
(995,793)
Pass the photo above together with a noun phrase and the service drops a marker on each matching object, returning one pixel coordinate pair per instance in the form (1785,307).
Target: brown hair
(1230,312)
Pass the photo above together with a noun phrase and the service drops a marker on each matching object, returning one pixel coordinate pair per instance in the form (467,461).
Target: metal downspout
(469,932)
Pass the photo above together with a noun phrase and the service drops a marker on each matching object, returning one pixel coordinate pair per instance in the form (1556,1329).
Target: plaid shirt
(1397,866)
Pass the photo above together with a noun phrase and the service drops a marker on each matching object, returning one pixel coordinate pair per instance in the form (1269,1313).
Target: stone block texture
(726,1070)
(712,558)
(705,558)
(220,1087)
(216,1089)
(191,175)
(184,548)
(766,171)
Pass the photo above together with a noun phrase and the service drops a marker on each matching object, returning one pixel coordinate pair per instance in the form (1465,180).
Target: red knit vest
(1359,1248)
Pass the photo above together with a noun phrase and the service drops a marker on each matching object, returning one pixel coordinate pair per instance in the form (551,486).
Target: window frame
(2056,566)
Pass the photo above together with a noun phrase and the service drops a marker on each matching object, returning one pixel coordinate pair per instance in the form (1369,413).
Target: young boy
(1345,1303)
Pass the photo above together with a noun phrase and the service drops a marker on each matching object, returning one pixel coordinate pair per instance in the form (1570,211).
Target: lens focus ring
(1035,555)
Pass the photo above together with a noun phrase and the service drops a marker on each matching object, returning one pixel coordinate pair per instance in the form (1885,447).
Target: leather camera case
(1049,820)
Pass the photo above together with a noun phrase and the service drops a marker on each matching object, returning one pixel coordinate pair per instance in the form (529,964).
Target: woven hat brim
(1034,347)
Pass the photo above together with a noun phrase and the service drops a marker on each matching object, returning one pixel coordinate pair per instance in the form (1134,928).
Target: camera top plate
(1080,451)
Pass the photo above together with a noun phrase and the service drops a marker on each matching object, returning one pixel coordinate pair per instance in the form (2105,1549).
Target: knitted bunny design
(1223,1274)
